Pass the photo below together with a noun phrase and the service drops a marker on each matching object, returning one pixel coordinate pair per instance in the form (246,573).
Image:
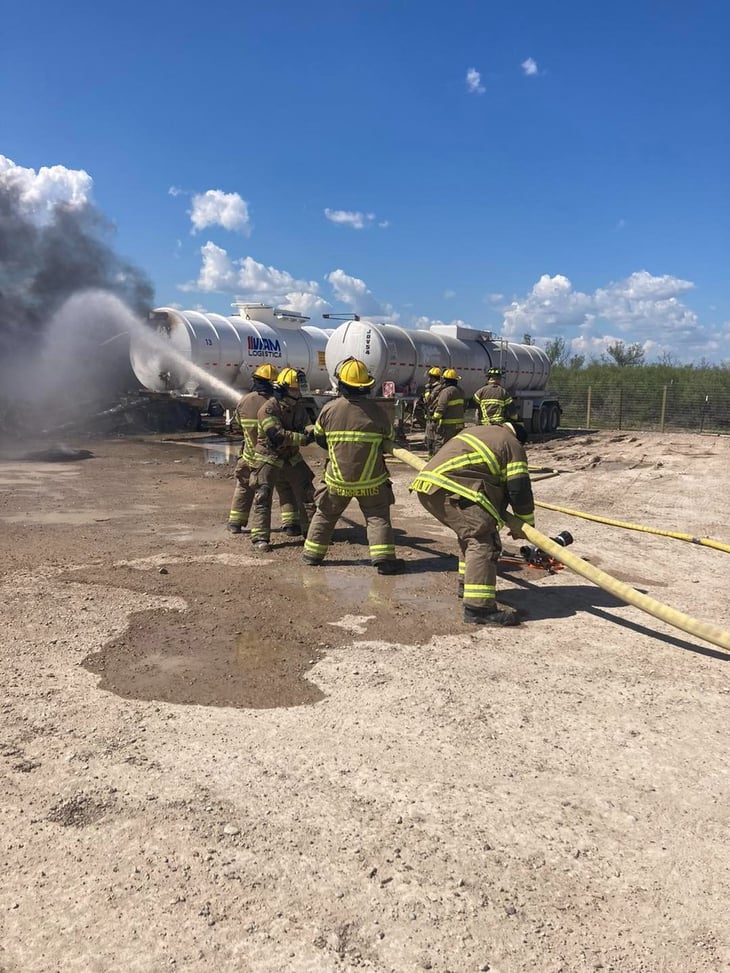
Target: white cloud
(529,67)
(642,285)
(305,302)
(493,298)
(216,208)
(641,308)
(474,82)
(250,280)
(448,294)
(39,193)
(357,295)
(352,218)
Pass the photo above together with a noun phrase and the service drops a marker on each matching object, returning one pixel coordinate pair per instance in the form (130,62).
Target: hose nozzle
(533,554)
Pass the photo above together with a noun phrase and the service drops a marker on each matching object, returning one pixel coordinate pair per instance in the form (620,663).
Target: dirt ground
(216,760)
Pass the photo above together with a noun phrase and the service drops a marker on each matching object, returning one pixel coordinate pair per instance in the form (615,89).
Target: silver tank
(401,356)
(226,348)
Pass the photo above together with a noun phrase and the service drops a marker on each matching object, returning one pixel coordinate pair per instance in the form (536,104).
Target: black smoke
(43,265)
(66,300)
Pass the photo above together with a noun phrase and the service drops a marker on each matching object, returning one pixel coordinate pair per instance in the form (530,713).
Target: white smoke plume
(54,244)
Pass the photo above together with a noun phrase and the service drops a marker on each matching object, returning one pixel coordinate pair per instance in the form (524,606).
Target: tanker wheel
(535,421)
(189,418)
(553,417)
(544,418)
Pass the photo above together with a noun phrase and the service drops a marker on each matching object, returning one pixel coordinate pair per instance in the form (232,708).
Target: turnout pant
(298,480)
(242,494)
(479,544)
(375,509)
(293,483)
(443,433)
(430,437)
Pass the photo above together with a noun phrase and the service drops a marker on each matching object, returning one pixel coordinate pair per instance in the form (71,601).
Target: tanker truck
(202,357)
(189,352)
(401,357)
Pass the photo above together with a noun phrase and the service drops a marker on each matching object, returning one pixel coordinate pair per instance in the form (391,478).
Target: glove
(276,438)
(308,435)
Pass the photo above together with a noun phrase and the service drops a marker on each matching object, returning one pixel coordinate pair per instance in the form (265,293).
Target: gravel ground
(214,759)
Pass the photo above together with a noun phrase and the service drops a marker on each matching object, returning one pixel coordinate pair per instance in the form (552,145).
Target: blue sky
(559,169)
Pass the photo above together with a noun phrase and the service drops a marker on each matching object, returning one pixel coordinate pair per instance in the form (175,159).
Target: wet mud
(249,636)
(195,663)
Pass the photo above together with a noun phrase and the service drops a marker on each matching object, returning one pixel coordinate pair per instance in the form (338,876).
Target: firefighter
(277,463)
(296,471)
(493,401)
(245,418)
(448,409)
(430,394)
(353,428)
(467,486)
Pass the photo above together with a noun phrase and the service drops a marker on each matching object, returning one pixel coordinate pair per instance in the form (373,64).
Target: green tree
(622,354)
(557,351)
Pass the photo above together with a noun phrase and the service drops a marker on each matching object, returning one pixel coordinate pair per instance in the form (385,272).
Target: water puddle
(247,672)
(215,450)
(75,518)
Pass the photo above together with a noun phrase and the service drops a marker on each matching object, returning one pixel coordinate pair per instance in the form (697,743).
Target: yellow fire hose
(702,541)
(624,592)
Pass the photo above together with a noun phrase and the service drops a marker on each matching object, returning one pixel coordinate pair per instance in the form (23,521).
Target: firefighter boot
(235,528)
(491,616)
(393,566)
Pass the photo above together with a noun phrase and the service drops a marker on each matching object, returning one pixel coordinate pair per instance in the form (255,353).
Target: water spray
(152,341)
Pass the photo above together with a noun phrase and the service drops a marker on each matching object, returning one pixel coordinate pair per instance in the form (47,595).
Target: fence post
(588,408)
(620,405)
(705,407)
(664,409)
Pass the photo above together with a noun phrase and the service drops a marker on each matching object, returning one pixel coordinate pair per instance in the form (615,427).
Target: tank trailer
(190,345)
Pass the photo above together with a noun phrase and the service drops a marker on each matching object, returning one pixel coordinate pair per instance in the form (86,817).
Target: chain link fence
(606,405)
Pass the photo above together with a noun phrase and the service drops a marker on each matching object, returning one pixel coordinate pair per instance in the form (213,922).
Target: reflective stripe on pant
(298,480)
(375,509)
(264,478)
(242,494)
(296,492)
(479,544)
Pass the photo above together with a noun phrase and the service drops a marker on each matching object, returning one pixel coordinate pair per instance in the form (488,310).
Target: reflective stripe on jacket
(355,430)
(275,442)
(493,401)
(487,466)
(430,396)
(449,407)
(244,417)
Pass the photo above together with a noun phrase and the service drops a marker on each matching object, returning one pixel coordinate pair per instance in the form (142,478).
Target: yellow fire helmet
(354,373)
(265,371)
(434,372)
(450,373)
(288,376)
